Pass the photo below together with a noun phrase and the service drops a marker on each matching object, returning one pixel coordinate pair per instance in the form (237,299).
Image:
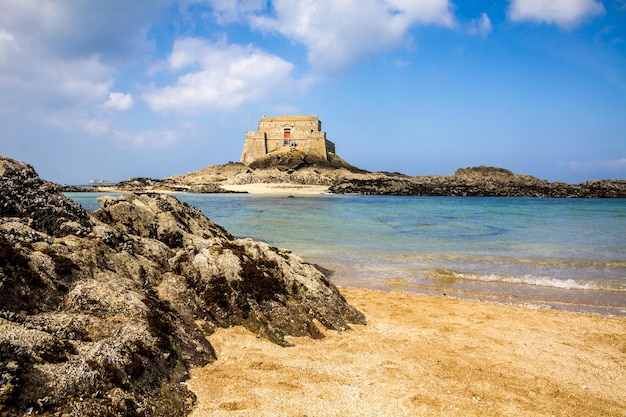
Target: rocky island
(293,152)
(296,168)
(103,313)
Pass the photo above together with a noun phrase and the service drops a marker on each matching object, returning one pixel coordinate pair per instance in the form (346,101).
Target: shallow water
(565,253)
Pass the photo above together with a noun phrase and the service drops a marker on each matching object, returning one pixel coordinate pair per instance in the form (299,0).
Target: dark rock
(209,189)
(146,184)
(293,166)
(290,160)
(76,189)
(480,182)
(104,313)
(26,198)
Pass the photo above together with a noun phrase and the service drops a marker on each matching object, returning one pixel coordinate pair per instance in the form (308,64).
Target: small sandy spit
(424,356)
(277,188)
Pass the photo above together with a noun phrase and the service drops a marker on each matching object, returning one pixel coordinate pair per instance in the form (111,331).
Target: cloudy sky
(114,89)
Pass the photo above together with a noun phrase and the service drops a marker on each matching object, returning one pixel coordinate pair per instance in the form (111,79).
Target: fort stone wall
(277,132)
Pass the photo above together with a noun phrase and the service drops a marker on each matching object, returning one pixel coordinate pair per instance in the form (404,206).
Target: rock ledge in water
(480,181)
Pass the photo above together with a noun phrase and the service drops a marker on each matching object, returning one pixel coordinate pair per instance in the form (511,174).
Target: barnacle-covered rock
(104,313)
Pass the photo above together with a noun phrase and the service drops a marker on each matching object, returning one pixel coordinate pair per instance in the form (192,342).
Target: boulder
(210,188)
(35,202)
(291,159)
(104,313)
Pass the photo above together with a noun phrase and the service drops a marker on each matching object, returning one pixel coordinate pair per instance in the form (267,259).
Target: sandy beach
(277,188)
(427,356)
(256,188)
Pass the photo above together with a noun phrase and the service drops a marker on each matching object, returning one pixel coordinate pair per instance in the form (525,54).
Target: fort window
(287,133)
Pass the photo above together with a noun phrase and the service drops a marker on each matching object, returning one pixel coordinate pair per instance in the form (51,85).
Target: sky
(152,88)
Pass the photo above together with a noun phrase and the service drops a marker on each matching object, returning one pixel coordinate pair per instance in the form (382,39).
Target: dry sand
(277,188)
(425,356)
(256,188)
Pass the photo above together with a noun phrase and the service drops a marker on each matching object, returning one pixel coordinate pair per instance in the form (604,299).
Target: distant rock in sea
(481,181)
(104,313)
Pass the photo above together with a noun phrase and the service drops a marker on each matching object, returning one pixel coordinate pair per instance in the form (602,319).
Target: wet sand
(427,356)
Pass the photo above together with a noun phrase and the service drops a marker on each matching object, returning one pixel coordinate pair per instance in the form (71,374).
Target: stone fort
(286,132)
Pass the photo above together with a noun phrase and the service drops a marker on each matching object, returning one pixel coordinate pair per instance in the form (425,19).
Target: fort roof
(287,118)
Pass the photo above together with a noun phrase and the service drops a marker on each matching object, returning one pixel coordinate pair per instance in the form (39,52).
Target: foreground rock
(104,313)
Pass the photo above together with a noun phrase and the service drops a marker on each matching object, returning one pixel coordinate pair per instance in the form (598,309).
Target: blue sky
(117,89)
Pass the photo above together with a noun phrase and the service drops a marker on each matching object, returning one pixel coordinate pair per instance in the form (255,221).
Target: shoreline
(424,355)
(277,188)
(603,191)
(273,188)
(556,301)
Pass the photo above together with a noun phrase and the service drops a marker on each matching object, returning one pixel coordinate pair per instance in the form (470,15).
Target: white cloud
(228,11)
(36,80)
(119,101)
(63,54)
(69,28)
(159,138)
(219,75)
(564,13)
(6,36)
(339,32)
(480,26)
(104,128)
(76,120)
(59,62)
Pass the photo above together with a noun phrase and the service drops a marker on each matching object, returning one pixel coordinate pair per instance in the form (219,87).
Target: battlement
(288,118)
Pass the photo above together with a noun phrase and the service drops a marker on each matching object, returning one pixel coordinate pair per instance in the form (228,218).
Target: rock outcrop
(480,182)
(104,313)
(292,166)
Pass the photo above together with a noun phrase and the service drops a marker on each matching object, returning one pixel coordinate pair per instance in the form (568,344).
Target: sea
(540,252)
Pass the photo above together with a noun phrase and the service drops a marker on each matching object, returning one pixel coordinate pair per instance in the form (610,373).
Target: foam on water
(541,281)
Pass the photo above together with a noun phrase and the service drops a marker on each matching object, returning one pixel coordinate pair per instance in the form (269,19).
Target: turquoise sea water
(565,253)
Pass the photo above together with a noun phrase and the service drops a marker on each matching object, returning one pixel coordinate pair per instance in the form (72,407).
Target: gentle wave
(540,281)
(480,259)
